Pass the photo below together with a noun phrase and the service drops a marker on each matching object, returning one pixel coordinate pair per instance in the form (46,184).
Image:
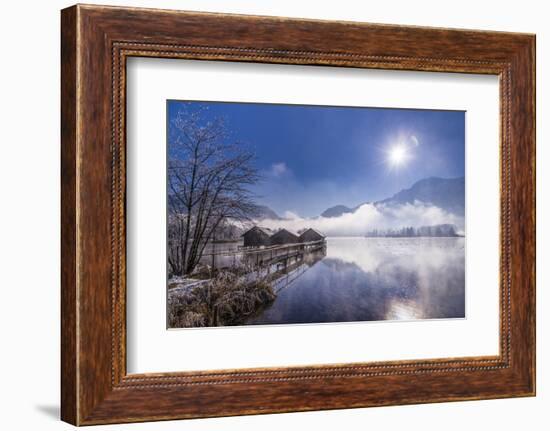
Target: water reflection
(365,279)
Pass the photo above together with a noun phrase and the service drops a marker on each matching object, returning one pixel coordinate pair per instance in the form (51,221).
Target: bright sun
(398,155)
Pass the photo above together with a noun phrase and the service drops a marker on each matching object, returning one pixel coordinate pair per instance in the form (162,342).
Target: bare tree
(209,179)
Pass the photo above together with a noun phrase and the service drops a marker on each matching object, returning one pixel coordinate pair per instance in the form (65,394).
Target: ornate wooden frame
(95,43)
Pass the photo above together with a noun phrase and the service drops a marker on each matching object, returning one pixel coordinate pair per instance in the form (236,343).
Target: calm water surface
(365,279)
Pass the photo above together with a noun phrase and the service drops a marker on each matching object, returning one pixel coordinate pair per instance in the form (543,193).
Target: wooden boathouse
(257,237)
(284,236)
(310,235)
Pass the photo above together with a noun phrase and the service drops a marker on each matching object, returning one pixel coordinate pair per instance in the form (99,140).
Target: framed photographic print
(326,214)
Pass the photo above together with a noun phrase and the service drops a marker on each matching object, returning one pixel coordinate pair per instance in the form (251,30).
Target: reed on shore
(227,299)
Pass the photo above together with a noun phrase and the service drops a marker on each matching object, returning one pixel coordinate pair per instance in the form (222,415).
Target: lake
(369,279)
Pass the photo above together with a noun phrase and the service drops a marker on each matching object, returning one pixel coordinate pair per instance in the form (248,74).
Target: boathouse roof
(314,231)
(264,230)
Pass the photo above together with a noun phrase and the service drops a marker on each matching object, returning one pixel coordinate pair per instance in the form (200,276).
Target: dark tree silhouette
(209,179)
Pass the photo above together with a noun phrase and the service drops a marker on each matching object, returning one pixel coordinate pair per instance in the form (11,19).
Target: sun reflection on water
(403,310)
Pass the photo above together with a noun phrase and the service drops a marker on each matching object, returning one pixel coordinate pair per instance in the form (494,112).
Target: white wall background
(29,215)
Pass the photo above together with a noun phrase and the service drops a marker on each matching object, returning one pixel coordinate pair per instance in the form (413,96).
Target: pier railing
(269,255)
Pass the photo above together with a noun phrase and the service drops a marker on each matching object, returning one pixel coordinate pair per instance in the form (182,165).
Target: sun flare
(398,156)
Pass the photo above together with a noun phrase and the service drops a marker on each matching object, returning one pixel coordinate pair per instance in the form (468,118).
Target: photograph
(303,214)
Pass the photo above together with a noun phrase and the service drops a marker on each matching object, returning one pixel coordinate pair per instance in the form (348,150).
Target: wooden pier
(267,256)
(282,254)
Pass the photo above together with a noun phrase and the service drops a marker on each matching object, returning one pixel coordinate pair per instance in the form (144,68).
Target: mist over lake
(371,279)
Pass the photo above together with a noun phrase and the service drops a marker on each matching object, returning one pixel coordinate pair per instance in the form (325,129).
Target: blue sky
(315,157)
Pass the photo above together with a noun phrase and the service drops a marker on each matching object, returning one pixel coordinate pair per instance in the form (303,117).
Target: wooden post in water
(213,249)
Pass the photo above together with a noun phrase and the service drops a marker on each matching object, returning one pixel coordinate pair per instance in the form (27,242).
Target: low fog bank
(371,216)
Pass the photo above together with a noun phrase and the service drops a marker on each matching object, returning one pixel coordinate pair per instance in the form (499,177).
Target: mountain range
(445,193)
(337,211)
(263,212)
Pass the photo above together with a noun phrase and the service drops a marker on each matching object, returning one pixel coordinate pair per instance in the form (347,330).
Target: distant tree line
(440,230)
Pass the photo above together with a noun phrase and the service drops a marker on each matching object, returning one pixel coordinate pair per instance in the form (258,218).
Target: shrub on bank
(228,299)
